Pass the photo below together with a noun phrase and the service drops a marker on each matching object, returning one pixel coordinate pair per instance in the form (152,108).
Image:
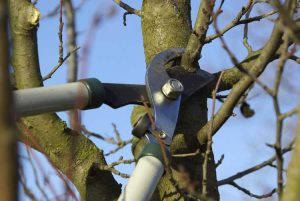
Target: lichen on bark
(292,189)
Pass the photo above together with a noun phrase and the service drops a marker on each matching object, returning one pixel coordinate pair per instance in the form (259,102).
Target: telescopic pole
(146,175)
(84,94)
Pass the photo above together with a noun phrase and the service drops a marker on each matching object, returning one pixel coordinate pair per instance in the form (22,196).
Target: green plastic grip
(153,149)
(96,92)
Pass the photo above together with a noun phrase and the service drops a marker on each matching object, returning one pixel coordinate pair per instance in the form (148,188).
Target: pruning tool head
(164,91)
(164,94)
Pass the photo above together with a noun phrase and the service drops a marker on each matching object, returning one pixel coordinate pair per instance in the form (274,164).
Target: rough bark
(47,133)
(197,39)
(167,24)
(292,190)
(8,135)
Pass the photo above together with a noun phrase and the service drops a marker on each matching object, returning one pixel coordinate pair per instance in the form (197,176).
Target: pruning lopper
(164,91)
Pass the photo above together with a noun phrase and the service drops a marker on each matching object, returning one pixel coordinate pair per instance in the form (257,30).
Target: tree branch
(8,136)
(209,141)
(50,133)
(115,171)
(72,45)
(234,22)
(254,168)
(128,8)
(291,192)
(246,191)
(196,41)
(59,64)
(239,89)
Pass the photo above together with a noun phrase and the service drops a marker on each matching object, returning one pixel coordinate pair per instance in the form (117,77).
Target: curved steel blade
(165,110)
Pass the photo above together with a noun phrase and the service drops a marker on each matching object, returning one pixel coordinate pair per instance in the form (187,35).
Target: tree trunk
(8,134)
(292,190)
(69,151)
(167,24)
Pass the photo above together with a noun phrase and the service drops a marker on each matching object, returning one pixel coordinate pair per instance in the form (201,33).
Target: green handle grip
(96,92)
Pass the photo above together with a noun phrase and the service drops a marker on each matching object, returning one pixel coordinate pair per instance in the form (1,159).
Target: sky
(117,56)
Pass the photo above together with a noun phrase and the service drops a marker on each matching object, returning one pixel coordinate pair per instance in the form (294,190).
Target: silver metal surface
(165,110)
(150,138)
(172,88)
(143,180)
(40,100)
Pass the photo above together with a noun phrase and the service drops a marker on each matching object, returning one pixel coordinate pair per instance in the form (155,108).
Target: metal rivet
(162,135)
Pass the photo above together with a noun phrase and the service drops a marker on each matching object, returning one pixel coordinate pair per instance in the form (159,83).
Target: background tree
(8,138)
(165,24)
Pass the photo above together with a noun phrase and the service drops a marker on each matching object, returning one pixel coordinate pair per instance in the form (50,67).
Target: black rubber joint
(96,92)
(155,151)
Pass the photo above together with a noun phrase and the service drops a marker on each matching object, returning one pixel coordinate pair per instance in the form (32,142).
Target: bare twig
(274,166)
(252,194)
(26,189)
(88,133)
(245,38)
(209,141)
(118,141)
(220,161)
(119,147)
(186,155)
(279,122)
(120,161)
(72,50)
(128,8)
(254,168)
(257,18)
(125,17)
(295,58)
(29,139)
(113,170)
(34,170)
(71,33)
(117,133)
(288,114)
(242,12)
(58,65)
(238,21)
(240,66)
(40,168)
(286,20)
(220,6)
(60,30)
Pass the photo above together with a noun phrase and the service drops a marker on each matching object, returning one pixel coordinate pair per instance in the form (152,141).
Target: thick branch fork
(197,38)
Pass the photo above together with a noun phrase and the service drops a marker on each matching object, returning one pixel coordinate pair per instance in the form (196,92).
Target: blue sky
(117,56)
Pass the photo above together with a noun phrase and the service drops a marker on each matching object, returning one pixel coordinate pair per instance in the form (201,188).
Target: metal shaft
(85,94)
(143,180)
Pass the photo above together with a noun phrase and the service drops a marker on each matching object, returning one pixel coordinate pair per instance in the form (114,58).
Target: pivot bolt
(162,135)
(172,88)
